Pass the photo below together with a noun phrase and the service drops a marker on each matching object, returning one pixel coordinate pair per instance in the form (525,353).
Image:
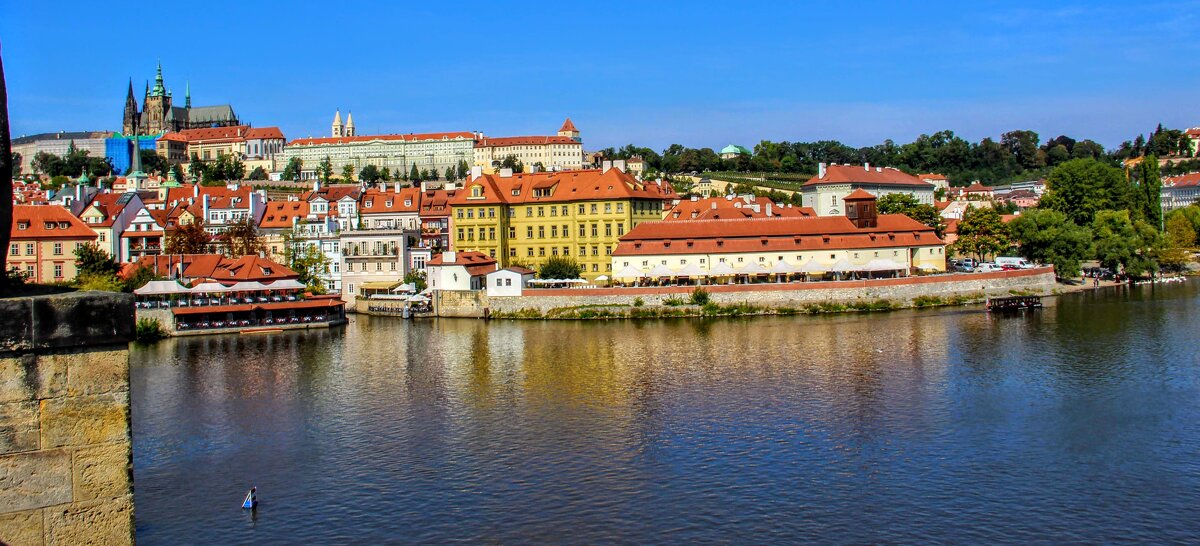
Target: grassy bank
(679,308)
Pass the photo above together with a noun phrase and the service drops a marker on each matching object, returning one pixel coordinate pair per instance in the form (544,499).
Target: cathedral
(159,115)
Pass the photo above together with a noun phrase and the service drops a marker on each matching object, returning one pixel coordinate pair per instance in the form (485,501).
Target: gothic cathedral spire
(128,125)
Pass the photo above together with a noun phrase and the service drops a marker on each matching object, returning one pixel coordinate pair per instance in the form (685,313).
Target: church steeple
(349,123)
(187,95)
(338,128)
(131,111)
(159,88)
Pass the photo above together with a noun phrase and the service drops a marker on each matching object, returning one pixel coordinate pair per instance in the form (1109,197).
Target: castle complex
(159,114)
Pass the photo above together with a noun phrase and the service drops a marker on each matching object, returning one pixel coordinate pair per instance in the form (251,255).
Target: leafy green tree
(236,169)
(414,175)
(139,278)
(305,258)
(241,238)
(1081,187)
(1145,199)
(385,174)
(258,174)
(293,170)
(416,277)
(1050,237)
(177,173)
(369,174)
(1125,244)
(90,259)
(464,169)
(197,168)
(347,173)
(152,162)
(981,233)
(511,162)
(450,175)
(1180,236)
(325,170)
(560,267)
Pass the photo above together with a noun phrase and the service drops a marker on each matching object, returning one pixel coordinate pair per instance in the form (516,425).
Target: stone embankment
(785,297)
(65,465)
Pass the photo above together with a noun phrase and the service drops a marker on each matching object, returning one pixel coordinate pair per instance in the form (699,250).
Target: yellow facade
(45,260)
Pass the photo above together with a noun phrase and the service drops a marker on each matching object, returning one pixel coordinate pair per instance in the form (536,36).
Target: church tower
(568,130)
(129,125)
(338,128)
(156,106)
(349,124)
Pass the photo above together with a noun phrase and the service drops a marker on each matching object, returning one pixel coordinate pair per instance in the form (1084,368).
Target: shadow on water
(1071,423)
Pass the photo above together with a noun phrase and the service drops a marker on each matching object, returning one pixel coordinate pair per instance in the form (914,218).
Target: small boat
(251,501)
(1014,303)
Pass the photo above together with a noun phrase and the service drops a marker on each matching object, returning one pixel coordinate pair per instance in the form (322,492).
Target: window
(392,266)
(491,212)
(378,266)
(14,249)
(58,251)
(583,230)
(541,232)
(530,252)
(351,287)
(528,212)
(620,207)
(491,234)
(607,208)
(507,282)
(470,213)
(608,251)
(595,267)
(620,229)
(594,209)
(608,230)
(553,211)
(29,249)
(564,210)
(499,281)
(58,271)
(582,250)
(541,251)
(595,230)
(595,250)
(460,234)
(581,208)
(471,233)
(512,252)
(529,232)
(541,211)
(554,251)
(554,230)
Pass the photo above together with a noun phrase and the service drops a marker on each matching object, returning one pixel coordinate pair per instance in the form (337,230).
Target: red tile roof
(264,133)
(932,176)
(976,187)
(1190,179)
(772,234)
(411,137)
(499,142)
(216,267)
(281,214)
(437,202)
(565,186)
(469,258)
(568,126)
(851,174)
(858,195)
(47,222)
(713,208)
(390,202)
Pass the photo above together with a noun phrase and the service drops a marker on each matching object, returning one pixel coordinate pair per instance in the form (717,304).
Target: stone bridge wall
(65,458)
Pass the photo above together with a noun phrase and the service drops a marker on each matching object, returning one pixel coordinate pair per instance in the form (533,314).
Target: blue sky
(651,73)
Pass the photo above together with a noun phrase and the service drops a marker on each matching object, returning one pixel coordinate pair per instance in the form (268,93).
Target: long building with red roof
(563,151)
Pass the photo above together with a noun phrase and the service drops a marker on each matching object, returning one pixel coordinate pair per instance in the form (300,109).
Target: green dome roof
(735,149)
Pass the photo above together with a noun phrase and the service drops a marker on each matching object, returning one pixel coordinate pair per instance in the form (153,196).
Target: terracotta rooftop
(560,187)
(47,222)
(859,174)
(568,126)
(498,142)
(411,137)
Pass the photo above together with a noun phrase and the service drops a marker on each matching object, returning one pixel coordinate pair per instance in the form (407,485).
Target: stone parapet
(65,457)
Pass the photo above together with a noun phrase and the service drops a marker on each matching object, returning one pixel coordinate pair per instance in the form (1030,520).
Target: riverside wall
(65,458)
(901,291)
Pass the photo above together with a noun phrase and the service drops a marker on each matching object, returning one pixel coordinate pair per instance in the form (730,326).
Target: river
(1076,423)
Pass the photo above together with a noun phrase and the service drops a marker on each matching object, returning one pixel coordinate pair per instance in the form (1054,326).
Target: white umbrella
(208,287)
(812,267)
(881,264)
(691,270)
(418,299)
(158,288)
(405,288)
(602,278)
(629,272)
(782,268)
(247,286)
(843,265)
(720,269)
(659,271)
(285,284)
(752,268)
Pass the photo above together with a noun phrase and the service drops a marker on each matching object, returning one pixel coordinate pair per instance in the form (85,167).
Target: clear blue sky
(651,73)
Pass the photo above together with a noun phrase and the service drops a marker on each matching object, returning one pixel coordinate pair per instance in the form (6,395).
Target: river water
(1076,423)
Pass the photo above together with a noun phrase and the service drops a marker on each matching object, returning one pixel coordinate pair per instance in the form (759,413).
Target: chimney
(619,165)
(448,256)
(506,173)
(821,170)
(769,210)
(397,186)
(714,205)
(196,190)
(695,198)
(316,185)
(605,166)
(476,172)
(867,167)
(533,169)
(204,208)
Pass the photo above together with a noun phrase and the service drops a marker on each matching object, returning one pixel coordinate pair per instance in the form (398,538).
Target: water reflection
(952,425)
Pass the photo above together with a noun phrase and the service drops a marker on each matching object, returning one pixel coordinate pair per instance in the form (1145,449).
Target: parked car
(987,267)
(1013,263)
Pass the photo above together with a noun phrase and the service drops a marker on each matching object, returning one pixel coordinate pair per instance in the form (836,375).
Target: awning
(781,267)
(419,299)
(286,284)
(721,269)
(812,266)
(209,287)
(752,268)
(882,264)
(247,286)
(602,278)
(159,288)
(661,270)
(405,288)
(843,265)
(629,272)
(380,285)
(691,270)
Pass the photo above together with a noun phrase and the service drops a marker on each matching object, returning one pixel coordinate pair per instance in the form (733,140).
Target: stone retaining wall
(65,459)
(901,291)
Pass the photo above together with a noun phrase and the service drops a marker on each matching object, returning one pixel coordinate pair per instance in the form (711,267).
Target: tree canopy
(560,267)
(241,238)
(981,233)
(1050,237)
(187,239)
(1080,188)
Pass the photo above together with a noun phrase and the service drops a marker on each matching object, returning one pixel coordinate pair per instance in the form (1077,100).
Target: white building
(373,257)
(459,270)
(825,192)
(1180,191)
(561,152)
(397,152)
(510,281)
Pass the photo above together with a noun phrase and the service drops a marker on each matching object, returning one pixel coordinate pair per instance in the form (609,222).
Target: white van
(1013,263)
(988,267)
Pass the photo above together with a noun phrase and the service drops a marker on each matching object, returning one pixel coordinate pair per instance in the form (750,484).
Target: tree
(347,173)
(416,277)
(15,162)
(1081,187)
(152,162)
(511,162)
(903,203)
(139,278)
(464,169)
(177,173)
(450,175)
(1050,237)
(258,174)
(305,258)
(412,175)
(1180,236)
(981,233)
(325,170)
(1125,244)
(560,267)
(369,174)
(90,259)
(1181,226)
(187,239)
(293,170)
(385,174)
(236,170)
(1145,199)
(241,238)
(197,169)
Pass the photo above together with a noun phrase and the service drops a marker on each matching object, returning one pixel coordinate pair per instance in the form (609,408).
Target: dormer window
(49,225)
(476,191)
(22,226)
(408,202)
(388,203)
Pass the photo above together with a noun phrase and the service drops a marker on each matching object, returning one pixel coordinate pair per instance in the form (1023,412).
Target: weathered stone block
(92,371)
(21,528)
(85,420)
(82,319)
(102,472)
(19,427)
(16,330)
(34,480)
(91,522)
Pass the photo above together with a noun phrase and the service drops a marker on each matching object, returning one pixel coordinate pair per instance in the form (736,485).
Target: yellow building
(529,218)
(44,239)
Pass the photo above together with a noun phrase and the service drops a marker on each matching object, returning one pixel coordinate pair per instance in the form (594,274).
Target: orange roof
(217,267)
(436,202)
(108,206)
(47,222)
(858,195)
(772,234)
(235,132)
(568,126)
(264,132)
(565,186)
(411,137)
(500,142)
(390,202)
(177,137)
(932,176)
(336,192)
(851,174)
(713,208)
(1190,179)
(976,187)
(280,214)
(463,258)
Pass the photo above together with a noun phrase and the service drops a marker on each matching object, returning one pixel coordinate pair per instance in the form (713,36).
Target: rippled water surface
(1078,423)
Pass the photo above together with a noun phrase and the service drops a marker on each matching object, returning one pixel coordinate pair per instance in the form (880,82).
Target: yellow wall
(43,258)
(531,234)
